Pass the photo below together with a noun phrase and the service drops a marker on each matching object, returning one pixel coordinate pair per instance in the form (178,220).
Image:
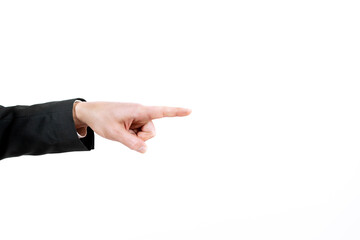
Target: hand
(128,123)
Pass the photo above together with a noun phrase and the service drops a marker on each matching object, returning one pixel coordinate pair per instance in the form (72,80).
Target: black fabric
(41,129)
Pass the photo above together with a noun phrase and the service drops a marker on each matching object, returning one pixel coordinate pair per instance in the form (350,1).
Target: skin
(128,123)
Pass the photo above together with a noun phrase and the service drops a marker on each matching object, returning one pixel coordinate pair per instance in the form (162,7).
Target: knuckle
(134,145)
(138,110)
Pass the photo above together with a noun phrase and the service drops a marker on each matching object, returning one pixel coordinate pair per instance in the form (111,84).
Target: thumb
(132,141)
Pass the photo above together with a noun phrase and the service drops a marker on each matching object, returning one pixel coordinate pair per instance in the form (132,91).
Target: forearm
(40,129)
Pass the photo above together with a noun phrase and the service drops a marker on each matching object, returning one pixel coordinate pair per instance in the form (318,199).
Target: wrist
(78,116)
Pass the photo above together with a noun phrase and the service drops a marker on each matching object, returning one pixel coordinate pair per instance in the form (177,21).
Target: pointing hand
(128,123)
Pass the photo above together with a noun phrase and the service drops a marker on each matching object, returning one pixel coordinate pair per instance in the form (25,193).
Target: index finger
(160,111)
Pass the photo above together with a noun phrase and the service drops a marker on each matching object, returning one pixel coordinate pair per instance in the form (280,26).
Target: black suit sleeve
(41,129)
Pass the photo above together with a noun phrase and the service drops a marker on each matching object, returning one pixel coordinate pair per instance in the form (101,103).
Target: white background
(270,151)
